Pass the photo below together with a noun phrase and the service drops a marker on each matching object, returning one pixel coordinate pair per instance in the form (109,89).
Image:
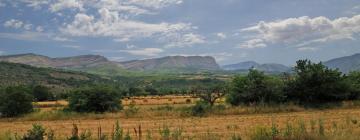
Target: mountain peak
(345,64)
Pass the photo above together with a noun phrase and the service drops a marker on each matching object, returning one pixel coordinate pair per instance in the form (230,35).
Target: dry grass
(157,112)
(223,126)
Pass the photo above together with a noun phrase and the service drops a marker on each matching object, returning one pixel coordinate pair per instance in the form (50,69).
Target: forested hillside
(19,74)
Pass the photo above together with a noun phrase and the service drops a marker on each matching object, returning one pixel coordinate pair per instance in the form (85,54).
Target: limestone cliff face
(82,61)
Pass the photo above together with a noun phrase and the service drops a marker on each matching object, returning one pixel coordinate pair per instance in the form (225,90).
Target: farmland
(151,117)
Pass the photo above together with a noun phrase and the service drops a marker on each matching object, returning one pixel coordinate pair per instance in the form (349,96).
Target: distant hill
(241,66)
(173,63)
(97,64)
(345,64)
(87,63)
(269,67)
(12,74)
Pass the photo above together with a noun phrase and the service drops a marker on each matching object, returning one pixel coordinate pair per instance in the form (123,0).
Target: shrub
(36,133)
(131,110)
(15,101)
(86,135)
(256,87)
(200,108)
(97,99)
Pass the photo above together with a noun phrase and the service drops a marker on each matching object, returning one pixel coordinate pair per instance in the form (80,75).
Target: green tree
(354,80)
(96,99)
(209,94)
(256,87)
(314,83)
(41,93)
(151,90)
(15,101)
(136,91)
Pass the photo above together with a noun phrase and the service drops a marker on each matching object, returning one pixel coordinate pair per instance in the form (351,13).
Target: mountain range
(269,67)
(345,64)
(173,62)
(100,65)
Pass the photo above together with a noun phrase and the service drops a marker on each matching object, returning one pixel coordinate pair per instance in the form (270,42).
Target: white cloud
(33,36)
(302,31)
(110,24)
(157,4)
(354,10)
(61,39)
(253,43)
(17,24)
(116,58)
(72,46)
(2,4)
(307,49)
(36,4)
(28,26)
(13,23)
(2,52)
(221,35)
(130,46)
(144,52)
(39,29)
(221,56)
(120,6)
(65,4)
(183,40)
(28,36)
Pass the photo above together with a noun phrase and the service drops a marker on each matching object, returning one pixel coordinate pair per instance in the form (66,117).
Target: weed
(321,127)
(36,133)
(165,132)
(118,132)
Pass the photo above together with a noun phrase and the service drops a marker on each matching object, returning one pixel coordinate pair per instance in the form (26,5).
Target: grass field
(154,115)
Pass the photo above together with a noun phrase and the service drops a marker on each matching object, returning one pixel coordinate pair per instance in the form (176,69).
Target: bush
(36,133)
(200,108)
(317,84)
(15,101)
(256,87)
(97,99)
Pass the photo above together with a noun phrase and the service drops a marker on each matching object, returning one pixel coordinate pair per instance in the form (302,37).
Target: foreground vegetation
(311,87)
(276,128)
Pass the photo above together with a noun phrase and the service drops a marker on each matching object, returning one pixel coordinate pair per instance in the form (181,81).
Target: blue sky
(266,31)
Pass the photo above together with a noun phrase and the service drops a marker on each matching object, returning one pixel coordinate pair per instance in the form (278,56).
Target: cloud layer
(302,31)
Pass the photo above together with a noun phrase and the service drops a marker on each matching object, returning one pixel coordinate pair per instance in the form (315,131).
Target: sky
(266,31)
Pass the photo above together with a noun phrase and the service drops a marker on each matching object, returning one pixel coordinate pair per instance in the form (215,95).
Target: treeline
(311,84)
